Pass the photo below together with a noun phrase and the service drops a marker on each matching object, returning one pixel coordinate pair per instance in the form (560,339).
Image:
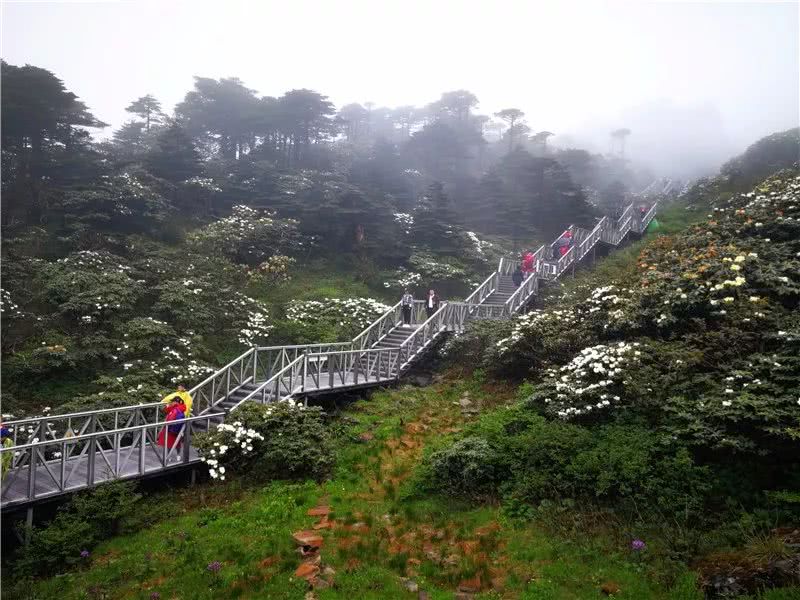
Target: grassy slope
(381,532)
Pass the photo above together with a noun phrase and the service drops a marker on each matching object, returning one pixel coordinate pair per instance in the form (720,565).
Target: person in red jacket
(168,436)
(527,264)
(565,243)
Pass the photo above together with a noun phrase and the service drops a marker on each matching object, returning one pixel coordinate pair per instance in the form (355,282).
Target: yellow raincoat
(184,397)
(7,458)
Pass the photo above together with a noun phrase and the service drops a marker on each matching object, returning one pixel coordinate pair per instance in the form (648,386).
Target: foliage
(87,519)
(275,270)
(339,317)
(248,236)
(762,159)
(527,458)
(468,468)
(282,440)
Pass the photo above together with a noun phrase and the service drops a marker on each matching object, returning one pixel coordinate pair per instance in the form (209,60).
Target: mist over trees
(355,166)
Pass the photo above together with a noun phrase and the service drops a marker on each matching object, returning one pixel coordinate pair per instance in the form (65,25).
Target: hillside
(635,435)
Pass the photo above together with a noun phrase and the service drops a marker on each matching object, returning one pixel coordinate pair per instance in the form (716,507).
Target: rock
(410,585)
(308,539)
(306,571)
(269,561)
(328,572)
(725,585)
(420,379)
(318,583)
(319,511)
(470,586)
(465,401)
(323,524)
(609,588)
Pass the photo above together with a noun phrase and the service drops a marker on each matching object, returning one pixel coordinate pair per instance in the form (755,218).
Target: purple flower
(155,596)
(84,554)
(214,567)
(637,545)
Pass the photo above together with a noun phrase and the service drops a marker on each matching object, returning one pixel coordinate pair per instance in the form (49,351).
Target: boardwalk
(61,454)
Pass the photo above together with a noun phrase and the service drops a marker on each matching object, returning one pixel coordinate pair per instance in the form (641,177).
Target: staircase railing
(119,453)
(529,286)
(277,386)
(272,359)
(484,290)
(220,385)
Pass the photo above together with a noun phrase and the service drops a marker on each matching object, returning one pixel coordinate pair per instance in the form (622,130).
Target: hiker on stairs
(182,395)
(431,303)
(407,304)
(517,277)
(176,411)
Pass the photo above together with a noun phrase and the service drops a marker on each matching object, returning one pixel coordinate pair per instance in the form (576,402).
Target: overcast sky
(567,64)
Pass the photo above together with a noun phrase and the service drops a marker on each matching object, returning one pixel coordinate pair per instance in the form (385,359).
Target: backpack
(175,415)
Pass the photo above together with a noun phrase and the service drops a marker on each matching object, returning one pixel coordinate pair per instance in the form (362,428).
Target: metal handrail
(486,285)
(362,338)
(272,381)
(109,432)
(75,415)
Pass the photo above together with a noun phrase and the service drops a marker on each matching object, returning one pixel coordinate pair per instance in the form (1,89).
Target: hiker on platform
(431,303)
(407,304)
(517,277)
(8,457)
(176,411)
(182,395)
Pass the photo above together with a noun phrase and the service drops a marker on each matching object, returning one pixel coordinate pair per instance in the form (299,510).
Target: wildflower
(84,554)
(728,299)
(638,545)
(155,596)
(214,567)
(726,403)
(754,298)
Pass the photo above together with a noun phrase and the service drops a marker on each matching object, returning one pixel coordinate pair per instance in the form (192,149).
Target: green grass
(176,535)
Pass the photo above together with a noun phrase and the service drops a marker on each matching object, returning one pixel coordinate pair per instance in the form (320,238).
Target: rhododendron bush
(280,440)
(686,360)
(341,317)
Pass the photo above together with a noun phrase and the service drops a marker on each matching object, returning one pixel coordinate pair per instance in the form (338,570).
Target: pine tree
(148,108)
(174,156)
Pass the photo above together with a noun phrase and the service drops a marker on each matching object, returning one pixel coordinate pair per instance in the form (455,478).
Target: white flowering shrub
(8,308)
(402,279)
(591,381)
(90,287)
(275,270)
(282,440)
(204,183)
(248,236)
(405,220)
(432,269)
(345,316)
(233,443)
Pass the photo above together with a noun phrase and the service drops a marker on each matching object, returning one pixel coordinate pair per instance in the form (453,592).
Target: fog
(695,83)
